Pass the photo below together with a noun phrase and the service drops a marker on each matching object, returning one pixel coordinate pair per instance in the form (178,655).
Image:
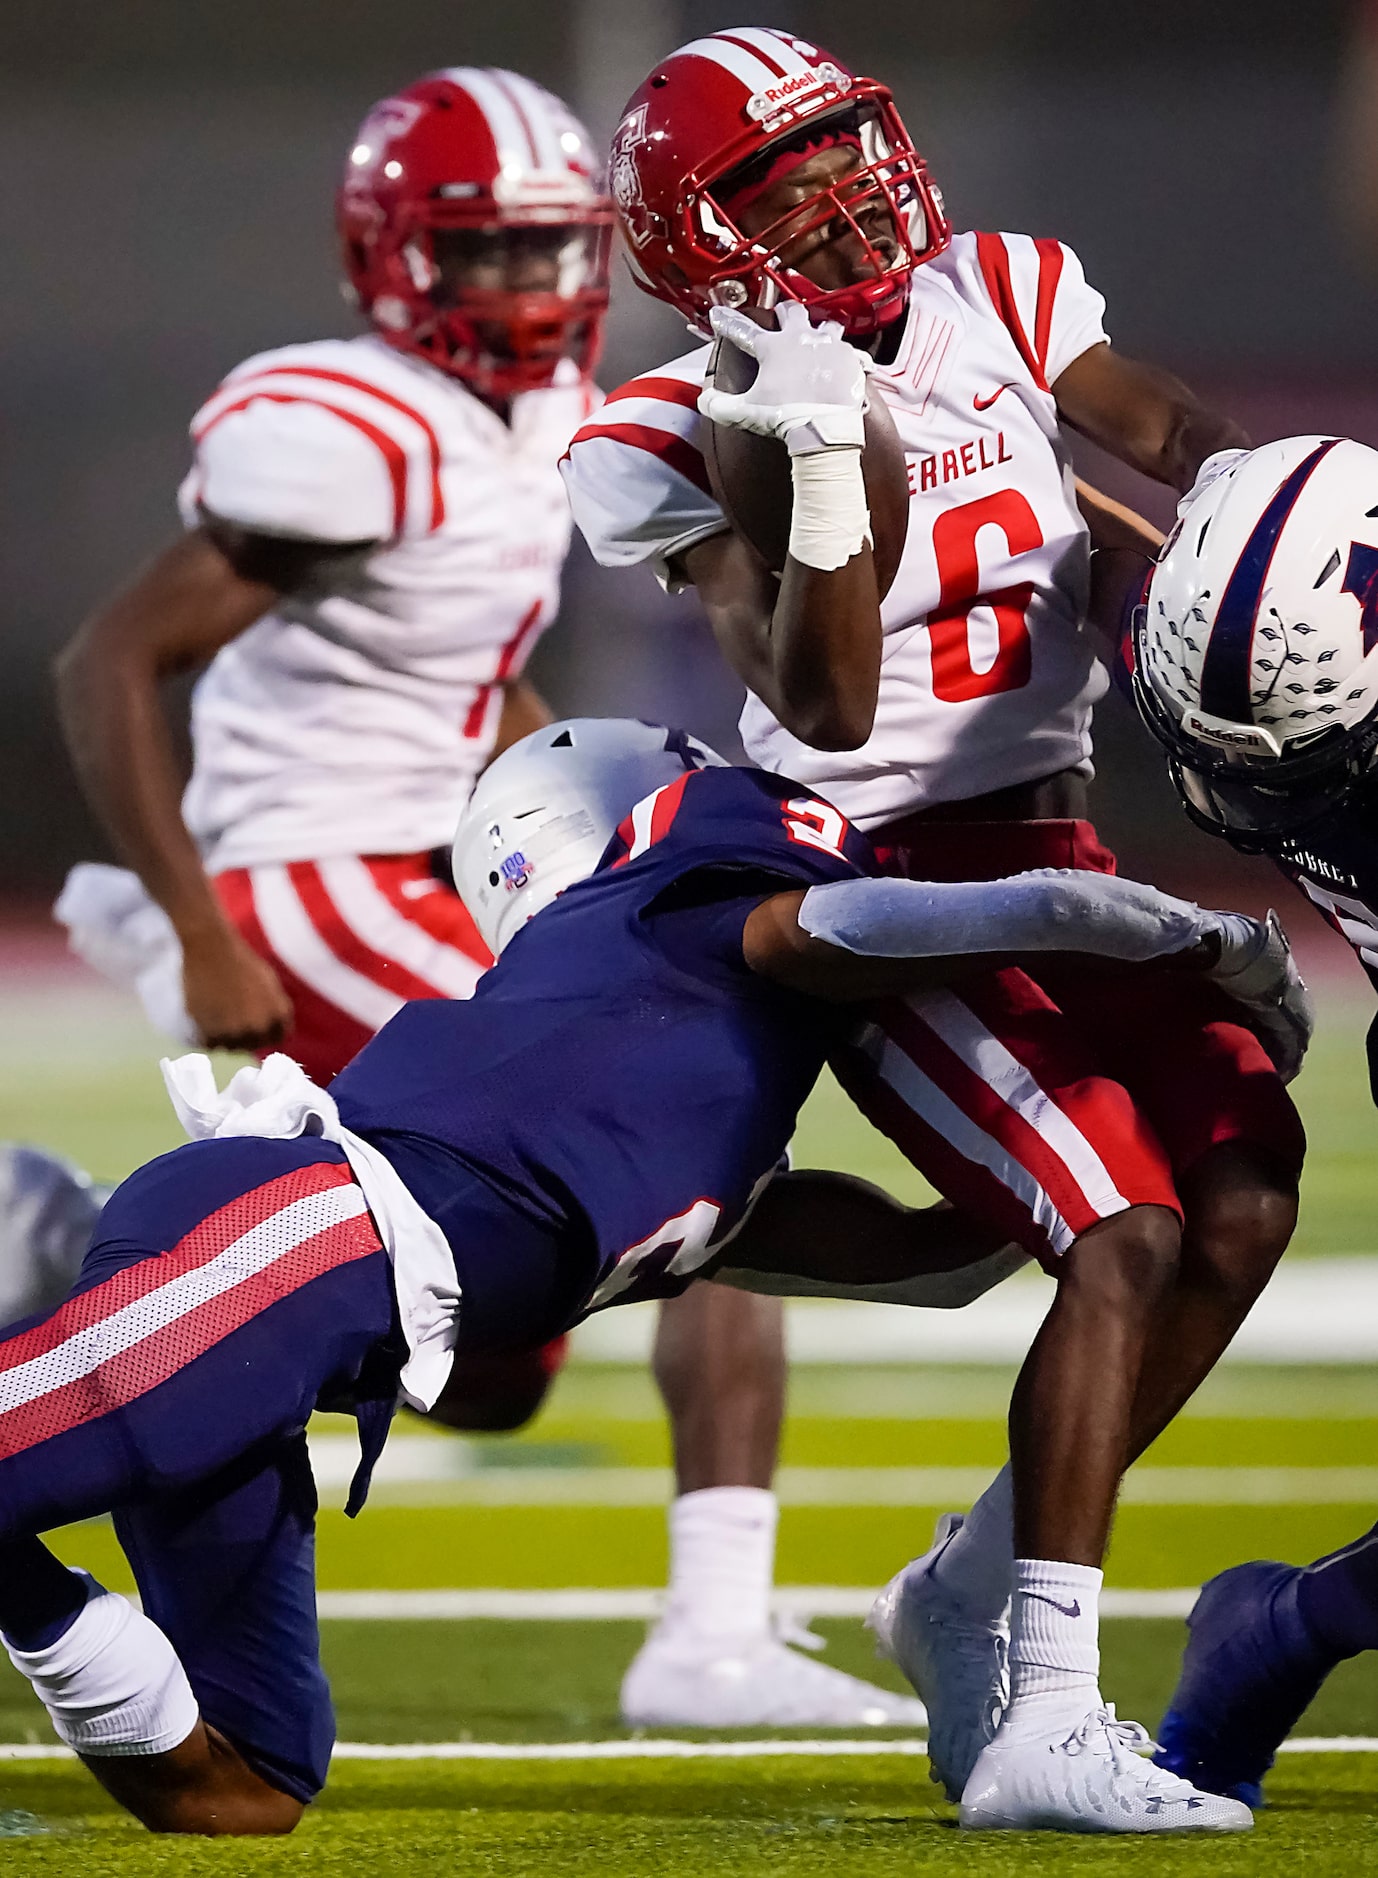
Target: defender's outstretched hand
(810,390)
(1256,967)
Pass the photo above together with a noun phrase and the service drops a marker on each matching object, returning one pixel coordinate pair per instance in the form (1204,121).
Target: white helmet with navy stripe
(542,815)
(1256,646)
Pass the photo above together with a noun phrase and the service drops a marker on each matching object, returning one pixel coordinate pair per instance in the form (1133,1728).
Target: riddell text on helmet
(772,99)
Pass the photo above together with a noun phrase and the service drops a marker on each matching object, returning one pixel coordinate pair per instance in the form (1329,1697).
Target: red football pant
(353,940)
(1043,1101)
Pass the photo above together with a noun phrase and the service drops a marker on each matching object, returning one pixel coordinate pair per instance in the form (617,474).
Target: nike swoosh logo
(1068,1610)
(983,404)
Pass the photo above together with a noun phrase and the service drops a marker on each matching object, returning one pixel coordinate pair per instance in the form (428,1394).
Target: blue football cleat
(1250,1669)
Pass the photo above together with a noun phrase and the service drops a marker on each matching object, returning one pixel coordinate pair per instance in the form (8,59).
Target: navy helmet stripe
(1225,682)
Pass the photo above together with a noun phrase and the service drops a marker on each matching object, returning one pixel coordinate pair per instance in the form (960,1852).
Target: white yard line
(663,1750)
(638,1605)
(425,1469)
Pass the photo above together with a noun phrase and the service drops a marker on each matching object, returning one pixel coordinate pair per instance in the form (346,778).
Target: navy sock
(1337,1598)
(39,1597)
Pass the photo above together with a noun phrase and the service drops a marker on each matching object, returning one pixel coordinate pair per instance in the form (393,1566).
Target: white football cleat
(682,1680)
(958,1665)
(48,1212)
(1094,1779)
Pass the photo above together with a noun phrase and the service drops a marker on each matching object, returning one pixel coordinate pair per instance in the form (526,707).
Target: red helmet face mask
(475,229)
(720,121)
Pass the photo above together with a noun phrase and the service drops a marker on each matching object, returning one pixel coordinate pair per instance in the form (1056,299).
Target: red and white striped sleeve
(1042,297)
(293,449)
(635,473)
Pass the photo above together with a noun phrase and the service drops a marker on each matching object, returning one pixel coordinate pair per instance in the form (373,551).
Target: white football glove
(1210,471)
(810,390)
(1256,967)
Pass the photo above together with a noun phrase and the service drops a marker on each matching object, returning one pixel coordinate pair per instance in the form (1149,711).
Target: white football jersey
(989,672)
(353,719)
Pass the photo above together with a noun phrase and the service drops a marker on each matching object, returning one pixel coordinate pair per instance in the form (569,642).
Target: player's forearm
(825,642)
(1170,437)
(1143,415)
(857,940)
(172,617)
(808,645)
(122,750)
(833,1228)
(1195,434)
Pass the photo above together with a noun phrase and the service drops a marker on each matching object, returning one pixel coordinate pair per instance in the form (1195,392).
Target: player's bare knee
(1124,1263)
(1241,1212)
(265,1815)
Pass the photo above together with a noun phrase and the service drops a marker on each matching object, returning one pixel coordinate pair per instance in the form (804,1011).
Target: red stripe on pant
(334,928)
(1019,1139)
(323,1038)
(440,914)
(1065,1056)
(207,1240)
(167,1348)
(959,1180)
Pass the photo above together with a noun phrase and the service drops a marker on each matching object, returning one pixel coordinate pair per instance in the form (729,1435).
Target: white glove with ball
(810,390)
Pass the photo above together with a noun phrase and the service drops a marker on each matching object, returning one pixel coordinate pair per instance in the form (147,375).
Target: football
(750,475)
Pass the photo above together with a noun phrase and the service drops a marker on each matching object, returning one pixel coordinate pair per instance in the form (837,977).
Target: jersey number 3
(955,679)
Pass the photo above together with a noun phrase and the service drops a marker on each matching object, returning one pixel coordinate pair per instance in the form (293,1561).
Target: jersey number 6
(955,679)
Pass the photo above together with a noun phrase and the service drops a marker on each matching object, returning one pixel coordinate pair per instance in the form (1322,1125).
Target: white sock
(976,1568)
(112,1683)
(1054,1643)
(722,1561)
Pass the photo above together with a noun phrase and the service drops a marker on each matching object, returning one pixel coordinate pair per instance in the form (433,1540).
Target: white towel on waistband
(277,1100)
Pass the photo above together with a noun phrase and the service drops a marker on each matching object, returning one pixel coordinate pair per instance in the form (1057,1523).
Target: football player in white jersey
(1146,1151)
(376,528)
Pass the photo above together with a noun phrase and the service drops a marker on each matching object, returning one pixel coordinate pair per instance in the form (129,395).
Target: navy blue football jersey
(1335,863)
(621,1079)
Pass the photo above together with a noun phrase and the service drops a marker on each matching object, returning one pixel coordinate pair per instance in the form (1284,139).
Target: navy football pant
(231,1284)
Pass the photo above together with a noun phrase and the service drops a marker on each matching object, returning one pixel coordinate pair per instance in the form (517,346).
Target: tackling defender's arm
(863,939)
(174,616)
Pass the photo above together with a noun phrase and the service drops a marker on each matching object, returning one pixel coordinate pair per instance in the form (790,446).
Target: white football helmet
(542,815)
(1254,646)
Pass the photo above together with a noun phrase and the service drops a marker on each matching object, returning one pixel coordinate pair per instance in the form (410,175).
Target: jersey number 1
(955,679)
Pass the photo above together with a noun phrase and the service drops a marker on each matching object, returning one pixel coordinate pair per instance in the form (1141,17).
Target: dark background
(168,168)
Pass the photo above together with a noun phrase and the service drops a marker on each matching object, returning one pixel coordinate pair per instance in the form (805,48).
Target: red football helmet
(488,153)
(702,126)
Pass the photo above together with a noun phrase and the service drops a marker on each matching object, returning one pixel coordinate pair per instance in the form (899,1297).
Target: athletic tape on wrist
(830,521)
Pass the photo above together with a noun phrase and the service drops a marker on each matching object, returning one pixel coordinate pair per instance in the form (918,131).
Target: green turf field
(804,1818)
(1260,1465)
